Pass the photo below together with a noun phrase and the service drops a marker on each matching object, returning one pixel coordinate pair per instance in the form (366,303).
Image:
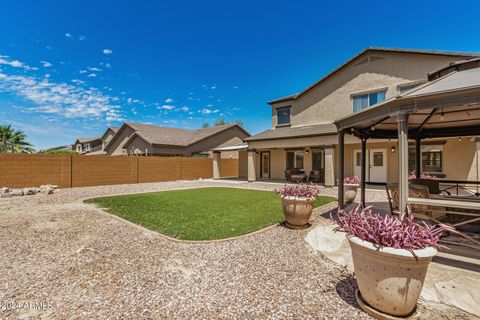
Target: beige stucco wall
(216,140)
(107,137)
(332,99)
(116,148)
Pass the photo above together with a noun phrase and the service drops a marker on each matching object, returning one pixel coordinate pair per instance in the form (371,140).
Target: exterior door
(377,165)
(265,164)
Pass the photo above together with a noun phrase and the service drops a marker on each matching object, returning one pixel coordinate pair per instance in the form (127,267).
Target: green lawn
(200,214)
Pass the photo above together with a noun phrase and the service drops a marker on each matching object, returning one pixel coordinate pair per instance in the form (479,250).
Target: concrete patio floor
(83,263)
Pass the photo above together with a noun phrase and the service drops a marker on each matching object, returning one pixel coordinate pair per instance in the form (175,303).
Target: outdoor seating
(316,176)
(432,208)
(295,175)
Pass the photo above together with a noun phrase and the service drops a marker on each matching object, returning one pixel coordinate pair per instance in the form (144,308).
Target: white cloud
(15,63)
(167,107)
(172,121)
(235,87)
(63,99)
(208,111)
(46,64)
(108,65)
(68,35)
(77,81)
(92,75)
(82,71)
(94,69)
(213,87)
(107,51)
(169,100)
(185,108)
(81,37)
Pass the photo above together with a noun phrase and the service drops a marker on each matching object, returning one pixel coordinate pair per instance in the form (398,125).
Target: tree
(13,141)
(205,125)
(239,122)
(220,122)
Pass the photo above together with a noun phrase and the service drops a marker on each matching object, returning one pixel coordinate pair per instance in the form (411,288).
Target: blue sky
(70,68)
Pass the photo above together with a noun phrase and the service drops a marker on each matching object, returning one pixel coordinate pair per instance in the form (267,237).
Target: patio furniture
(433,209)
(419,211)
(295,175)
(316,176)
(433,186)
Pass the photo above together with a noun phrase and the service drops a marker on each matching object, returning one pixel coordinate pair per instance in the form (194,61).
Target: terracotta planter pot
(297,211)
(390,280)
(350,192)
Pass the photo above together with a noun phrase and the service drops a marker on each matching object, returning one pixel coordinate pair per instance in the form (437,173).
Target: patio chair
(422,212)
(316,176)
(432,185)
(295,175)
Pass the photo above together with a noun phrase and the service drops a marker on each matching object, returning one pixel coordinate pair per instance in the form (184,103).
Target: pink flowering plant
(351,180)
(423,175)
(390,231)
(306,191)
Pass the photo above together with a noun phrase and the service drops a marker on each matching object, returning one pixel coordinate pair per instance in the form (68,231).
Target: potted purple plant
(390,257)
(351,185)
(297,204)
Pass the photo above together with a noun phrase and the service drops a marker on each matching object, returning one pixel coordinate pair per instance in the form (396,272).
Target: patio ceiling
(446,107)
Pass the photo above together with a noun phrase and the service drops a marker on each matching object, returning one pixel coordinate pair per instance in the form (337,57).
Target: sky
(69,69)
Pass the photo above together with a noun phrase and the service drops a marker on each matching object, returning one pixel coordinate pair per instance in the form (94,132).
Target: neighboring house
(303,135)
(150,140)
(95,146)
(88,145)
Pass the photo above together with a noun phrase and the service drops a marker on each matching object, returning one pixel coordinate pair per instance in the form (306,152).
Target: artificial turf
(200,214)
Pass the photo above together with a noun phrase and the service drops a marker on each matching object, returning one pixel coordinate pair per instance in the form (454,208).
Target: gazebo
(448,105)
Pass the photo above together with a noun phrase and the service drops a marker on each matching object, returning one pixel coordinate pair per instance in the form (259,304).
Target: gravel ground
(82,263)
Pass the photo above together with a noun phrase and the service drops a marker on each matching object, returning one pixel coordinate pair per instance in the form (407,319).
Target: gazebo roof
(444,107)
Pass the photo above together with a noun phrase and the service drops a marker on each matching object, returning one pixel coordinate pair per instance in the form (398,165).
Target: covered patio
(448,105)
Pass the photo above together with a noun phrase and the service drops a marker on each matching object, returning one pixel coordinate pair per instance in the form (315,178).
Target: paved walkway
(82,263)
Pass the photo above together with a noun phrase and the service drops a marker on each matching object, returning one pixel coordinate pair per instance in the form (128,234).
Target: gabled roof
(378,49)
(85,140)
(295,132)
(159,135)
(113,129)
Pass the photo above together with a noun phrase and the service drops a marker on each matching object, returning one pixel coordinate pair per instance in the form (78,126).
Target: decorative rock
(16,192)
(30,191)
(4,190)
(6,195)
(47,191)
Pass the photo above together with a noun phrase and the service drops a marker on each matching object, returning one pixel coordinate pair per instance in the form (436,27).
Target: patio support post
(216,164)
(418,154)
(402,121)
(341,165)
(363,172)
(251,165)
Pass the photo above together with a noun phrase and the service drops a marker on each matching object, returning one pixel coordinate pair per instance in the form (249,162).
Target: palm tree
(13,141)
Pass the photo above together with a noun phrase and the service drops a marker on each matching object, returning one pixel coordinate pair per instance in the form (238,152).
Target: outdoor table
(438,201)
(298,177)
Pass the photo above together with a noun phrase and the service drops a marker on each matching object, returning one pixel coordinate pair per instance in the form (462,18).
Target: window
(318,160)
(79,148)
(431,159)
(283,115)
(105,143)
(294,159)
(361,102)
(87,147)
(407,87)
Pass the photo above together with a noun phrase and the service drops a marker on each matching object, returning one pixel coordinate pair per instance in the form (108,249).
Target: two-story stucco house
(303,135)
(95,146)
